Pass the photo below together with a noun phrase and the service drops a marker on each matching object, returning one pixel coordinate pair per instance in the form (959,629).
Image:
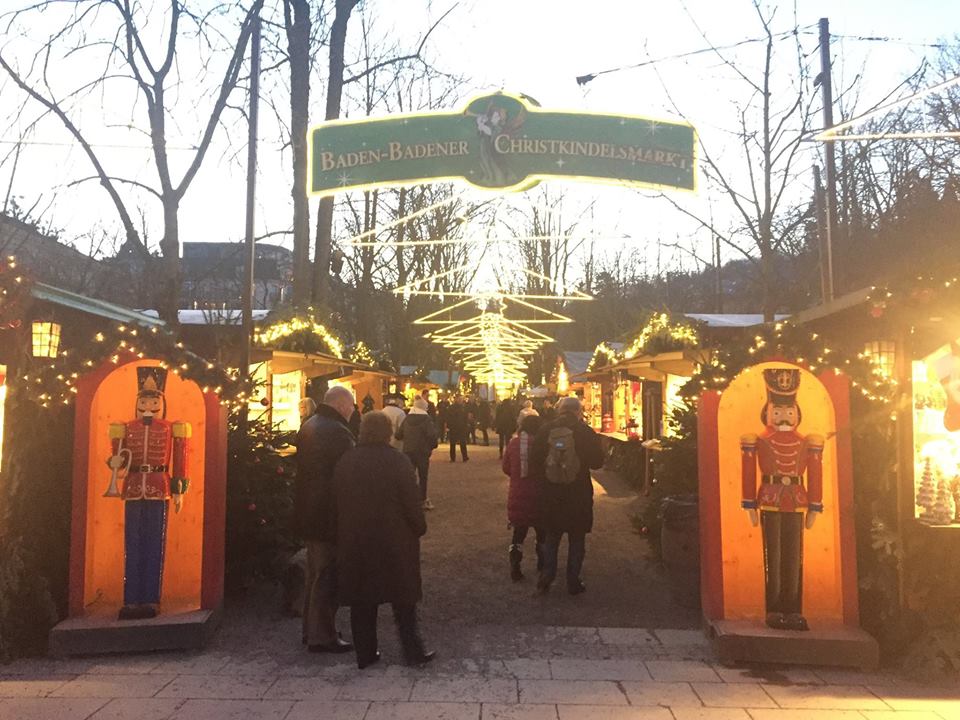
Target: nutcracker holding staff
(150,453)
(782,499)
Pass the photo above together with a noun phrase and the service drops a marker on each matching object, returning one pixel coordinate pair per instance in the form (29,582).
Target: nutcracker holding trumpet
(149,456)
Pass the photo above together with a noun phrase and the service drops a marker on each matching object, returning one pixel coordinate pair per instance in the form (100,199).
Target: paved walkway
(565,673)
(504,655)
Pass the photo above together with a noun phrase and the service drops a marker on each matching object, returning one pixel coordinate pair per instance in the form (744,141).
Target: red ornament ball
(644,530)
(252,507)
(279,469)
(876,311)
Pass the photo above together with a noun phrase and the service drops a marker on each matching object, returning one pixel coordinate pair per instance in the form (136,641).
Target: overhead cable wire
(584,79)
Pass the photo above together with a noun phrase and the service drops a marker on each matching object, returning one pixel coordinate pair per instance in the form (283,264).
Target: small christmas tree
(942,513)
(926,492)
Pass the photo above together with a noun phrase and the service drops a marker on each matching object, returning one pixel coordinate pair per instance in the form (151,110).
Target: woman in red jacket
(522,499)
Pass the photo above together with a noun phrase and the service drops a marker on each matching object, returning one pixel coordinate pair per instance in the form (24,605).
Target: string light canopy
(560,290)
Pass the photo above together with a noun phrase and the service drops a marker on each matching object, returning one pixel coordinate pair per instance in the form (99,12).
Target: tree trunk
(297,22)
(167,301)
(324,236)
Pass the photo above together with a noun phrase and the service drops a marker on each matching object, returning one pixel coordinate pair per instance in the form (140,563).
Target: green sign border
(607,135)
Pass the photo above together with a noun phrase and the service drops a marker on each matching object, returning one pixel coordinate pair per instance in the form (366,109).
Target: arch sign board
(502,142)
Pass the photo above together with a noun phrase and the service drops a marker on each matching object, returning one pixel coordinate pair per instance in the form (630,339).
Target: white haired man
(323,438)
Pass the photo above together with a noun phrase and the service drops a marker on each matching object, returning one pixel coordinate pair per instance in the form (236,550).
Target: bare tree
(771,136)
(121,39)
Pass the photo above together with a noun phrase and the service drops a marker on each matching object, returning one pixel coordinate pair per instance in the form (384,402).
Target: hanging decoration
(489,331)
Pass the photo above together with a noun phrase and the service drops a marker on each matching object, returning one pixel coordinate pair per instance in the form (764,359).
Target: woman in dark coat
(379,525)
(522,497)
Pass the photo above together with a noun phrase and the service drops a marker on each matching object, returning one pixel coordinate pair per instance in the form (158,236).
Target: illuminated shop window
(882,354)
(936,437)
(287,389)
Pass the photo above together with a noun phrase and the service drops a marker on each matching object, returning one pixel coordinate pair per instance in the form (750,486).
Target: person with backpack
(419,437)
(563,453)
(522,497)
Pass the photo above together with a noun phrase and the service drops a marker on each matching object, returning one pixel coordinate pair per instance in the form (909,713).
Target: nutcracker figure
(150,454)
(784,455)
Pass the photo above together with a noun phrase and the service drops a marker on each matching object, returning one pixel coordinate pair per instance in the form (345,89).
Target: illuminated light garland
(361,355)
(291,330)
(794,343)
(414,288)
(660,327)
(55,382)
(604,353)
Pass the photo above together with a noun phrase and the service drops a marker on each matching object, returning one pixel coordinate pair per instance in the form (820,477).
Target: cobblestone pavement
(503,654)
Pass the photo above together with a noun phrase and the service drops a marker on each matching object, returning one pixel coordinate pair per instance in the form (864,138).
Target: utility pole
(819,210)
(249,244)
(830,206)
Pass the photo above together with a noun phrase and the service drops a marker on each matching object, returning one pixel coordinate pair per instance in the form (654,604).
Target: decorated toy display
(784,500)
(151,454)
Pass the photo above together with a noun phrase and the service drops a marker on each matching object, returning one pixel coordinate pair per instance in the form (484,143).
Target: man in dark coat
(457,428)
(505,422)
(380,523)
(566,501)
(322,440)
(473,411)
(419,436)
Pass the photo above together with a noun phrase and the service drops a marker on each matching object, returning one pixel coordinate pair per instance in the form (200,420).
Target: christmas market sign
(502,142)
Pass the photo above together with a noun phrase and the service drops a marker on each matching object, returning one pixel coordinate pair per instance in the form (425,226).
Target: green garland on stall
(54,382)
(794,343)
(302,332)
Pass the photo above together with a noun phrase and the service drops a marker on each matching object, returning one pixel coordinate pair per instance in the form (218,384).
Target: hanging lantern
(45,339)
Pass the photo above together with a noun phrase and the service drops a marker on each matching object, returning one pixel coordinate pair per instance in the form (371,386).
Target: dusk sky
(533,47)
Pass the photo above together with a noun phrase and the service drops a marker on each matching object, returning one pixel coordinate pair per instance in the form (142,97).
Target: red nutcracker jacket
(783,457)
(158,463)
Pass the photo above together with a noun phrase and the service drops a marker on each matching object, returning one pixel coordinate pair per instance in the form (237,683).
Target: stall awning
(656,367)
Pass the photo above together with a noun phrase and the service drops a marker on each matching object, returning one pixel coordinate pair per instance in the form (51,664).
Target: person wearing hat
(784,504)
(392,408)
(152,453)
(419,437)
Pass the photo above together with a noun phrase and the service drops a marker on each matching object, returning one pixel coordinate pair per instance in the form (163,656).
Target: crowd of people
(362,483)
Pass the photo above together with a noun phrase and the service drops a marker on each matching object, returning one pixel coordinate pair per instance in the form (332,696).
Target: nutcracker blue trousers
(145,525)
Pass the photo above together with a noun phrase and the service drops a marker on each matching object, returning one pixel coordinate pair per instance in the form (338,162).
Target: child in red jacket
(522,499)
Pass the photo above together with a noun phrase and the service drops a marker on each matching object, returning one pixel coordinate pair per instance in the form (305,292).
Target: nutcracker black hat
(782,385)
(151,381)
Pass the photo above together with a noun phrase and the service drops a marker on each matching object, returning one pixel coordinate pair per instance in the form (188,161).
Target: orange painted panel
(742,548)
(115,401)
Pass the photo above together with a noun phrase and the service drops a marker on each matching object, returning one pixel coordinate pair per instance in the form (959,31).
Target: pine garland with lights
(663,333)
(603,355)
(55,382)
(793,343)
(299,333)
